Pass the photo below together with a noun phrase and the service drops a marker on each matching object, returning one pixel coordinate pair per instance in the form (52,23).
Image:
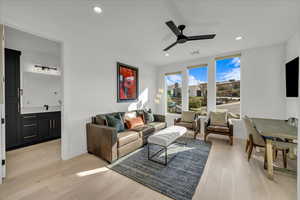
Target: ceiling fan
(178,31)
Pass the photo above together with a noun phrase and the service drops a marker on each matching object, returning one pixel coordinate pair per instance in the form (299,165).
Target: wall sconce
(44,68)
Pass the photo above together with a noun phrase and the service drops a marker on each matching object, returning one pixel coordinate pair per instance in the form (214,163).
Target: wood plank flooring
(36,172)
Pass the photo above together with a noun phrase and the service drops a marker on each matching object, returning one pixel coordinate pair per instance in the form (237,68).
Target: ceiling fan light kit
(181,38)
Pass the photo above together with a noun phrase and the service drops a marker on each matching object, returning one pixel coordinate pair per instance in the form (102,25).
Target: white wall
(90,87)
(262,83)
(38,89)
(292,51)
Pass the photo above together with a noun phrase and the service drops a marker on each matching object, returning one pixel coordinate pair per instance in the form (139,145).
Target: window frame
(188,77)
(166,89)
(216,89)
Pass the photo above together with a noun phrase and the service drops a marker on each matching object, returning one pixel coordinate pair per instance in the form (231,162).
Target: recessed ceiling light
(166,54)
(238,38)
(97,9)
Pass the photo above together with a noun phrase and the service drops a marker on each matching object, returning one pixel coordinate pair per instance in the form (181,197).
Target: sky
(225,70)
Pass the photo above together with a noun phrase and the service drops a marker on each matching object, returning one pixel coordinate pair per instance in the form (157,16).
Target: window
(174,92)
(198,89)
(228,84)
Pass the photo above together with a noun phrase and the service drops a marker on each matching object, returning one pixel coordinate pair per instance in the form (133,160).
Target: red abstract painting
(127,83)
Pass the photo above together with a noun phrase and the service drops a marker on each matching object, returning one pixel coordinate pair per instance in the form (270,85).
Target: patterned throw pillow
(149,117)
(218,118)
(134,122)
(115,122)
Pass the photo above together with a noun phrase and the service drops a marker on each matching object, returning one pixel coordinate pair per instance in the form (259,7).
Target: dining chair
(256,140)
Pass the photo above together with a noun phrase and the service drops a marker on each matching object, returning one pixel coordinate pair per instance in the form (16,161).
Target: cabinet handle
(28,117)
(53,123)
(31,136)
(18,92)
(29,125)
(50,125)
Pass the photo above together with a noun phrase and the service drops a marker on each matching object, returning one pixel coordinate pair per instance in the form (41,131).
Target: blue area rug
(179,179)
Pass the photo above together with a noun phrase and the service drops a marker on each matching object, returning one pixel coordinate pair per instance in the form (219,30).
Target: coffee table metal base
(163,148)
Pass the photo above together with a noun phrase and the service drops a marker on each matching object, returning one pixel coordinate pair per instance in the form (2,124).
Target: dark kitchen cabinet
(56,125)
(12,98)
(39,127)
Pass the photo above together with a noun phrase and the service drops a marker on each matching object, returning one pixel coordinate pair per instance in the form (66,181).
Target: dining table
(278,133)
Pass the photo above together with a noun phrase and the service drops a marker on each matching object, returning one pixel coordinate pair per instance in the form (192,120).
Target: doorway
(33,101)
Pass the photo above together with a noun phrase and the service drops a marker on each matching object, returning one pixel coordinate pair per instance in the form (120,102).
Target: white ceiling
(138,26)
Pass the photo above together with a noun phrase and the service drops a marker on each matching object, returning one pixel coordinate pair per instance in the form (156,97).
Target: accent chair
(219,123)
(189,120)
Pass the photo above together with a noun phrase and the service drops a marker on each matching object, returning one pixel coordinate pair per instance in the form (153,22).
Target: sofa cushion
(134,122)
(188,116)
(145,130)
(218,118)
(115,122)
(222,129)
(126,137)
(185,124)
(158,125)
(126,149)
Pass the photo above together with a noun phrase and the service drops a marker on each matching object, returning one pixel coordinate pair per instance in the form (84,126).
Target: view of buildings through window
(227,87)
(198,89)
(174,93)
(228,84)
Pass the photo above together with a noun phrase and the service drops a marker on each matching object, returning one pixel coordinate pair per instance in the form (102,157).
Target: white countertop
(29,110)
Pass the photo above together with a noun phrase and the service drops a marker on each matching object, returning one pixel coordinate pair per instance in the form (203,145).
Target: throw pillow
(101,120)
(188,116)
(149,117)
(115,123)
(218,118)
(134,122)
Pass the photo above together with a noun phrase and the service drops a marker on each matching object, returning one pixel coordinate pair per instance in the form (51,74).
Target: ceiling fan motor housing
(182,39)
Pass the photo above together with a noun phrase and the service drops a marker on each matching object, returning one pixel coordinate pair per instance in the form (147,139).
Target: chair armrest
(177,120)
(195,125)
(199,124)
(102,141)
(159,118)
(206,123)
(230,125)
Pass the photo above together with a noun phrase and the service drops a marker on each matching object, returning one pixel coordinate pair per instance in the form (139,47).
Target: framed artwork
(128,83)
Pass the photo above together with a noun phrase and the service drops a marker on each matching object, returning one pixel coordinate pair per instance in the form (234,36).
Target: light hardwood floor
(36,172)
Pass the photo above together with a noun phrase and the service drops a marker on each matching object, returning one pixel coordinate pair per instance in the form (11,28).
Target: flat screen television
(292,78)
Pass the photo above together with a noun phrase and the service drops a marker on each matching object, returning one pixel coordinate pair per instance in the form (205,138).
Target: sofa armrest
(102,141)
(159,118)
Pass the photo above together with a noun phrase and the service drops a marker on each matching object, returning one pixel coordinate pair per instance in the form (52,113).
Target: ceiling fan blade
(173,27)
(201,37)
(169,47)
